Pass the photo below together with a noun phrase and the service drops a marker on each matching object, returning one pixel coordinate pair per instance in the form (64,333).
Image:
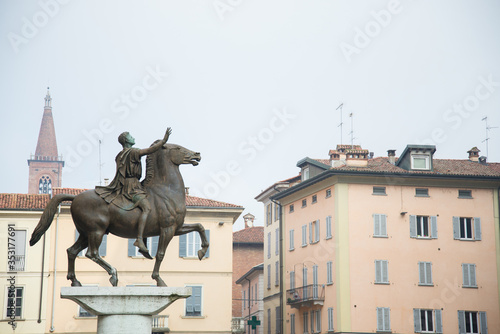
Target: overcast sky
(252,85)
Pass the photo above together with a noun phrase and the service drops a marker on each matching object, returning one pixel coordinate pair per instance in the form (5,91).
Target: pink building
(252,292)
(402,245)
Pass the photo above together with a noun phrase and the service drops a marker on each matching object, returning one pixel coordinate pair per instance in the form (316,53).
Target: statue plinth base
(124,310)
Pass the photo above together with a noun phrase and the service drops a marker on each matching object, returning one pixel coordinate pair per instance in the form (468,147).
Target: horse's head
(180,155)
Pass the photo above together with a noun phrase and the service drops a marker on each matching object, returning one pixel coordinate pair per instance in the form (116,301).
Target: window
(291,241)
(304,283)
(103,246)
(244,299)
(379,191)
(464,193)
(193,302)
(16,260)
(422,192)
(383,319)
(292,280)
(256,290)
(304,235)
(423,227)
(304,203)
(268,276)
(277,242)
(269,245)
(305,173)
(329,227)
(189,244)
(306,322)
(292,323)
(379,225)
(277,276)
(419,161)
(278,319)
(269,320)
(291,208)
(315,281)
(330,319)
(314,232)
(472,322)
(314,199)
(381,272)
(469,275)
(268,215)
(45,185)
(467,228)
(276,212)
(427,321)
(14,302)
(328,193)
(318,321)
(425,273)
(329,272)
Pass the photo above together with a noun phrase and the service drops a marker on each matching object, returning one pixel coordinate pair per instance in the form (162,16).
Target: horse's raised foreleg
(186,228)
(95,239)
(166,235)
(80,244)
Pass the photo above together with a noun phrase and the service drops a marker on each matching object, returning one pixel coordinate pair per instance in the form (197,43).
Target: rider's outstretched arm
(156,146)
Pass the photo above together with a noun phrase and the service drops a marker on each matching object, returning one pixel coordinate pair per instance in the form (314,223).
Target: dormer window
(420,161)
(305,173)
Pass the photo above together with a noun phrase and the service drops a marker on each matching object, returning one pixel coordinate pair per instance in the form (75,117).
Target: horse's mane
(150,171)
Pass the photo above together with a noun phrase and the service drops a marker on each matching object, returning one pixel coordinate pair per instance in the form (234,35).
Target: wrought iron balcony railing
(304,296)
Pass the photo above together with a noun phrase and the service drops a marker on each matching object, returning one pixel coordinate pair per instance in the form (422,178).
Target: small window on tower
(45,185)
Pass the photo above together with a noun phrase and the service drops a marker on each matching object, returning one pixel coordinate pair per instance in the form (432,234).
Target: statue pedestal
(124,310)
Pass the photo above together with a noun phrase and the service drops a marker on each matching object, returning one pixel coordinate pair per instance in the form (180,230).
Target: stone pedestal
(124,310)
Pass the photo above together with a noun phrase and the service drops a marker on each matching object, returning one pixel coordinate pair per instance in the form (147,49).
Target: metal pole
(55,274)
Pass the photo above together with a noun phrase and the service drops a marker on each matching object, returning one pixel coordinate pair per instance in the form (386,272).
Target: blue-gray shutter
(207,233)
(376,224)
(310,233)
(477,228)
(291,241)
(131,247)
(387,319)
(317,231)
(268,245)
(472,272)
(380,319)
(304,283)
(315,281)
(182,245)
(413,226)
(304,235)
(383,225)
(417,326)
(312,322)
(154,245)
(465,274)
(421,272)
(277,241)
(378,273)
(456,228)
(461,322)
(428,273)
(484,322)
(197,298)
(292,280)
(385,271)
(434,228)
(439,322)
(102,247)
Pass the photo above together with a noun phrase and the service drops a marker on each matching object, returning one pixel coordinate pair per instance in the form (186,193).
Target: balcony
(238,325)
(160,324)
(306,296)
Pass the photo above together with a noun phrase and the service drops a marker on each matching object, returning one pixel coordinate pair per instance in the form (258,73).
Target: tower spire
(48,100)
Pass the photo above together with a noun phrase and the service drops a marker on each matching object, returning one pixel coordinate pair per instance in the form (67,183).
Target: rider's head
(125,138)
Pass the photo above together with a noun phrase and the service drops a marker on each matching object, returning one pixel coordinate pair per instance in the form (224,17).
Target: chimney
(474,154)
(249,218)
(482,160)
(370,156)
(392,156)
(187,190)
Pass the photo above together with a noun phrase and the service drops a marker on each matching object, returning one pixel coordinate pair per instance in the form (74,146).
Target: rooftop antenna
(341,123)
(488,128)
(352,131)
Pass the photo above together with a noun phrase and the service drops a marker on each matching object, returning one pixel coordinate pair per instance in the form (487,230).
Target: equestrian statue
(129,208)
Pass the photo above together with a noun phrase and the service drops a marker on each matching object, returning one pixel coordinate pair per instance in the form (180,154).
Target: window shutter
(417,326)
(328,227)
(207,233)
(380,319)
(277,276)
(277,241)
(434,228)
(413,226)
(477,228)
(269,245)
(383,225)
(465,273)
(304,235)
(292,280)
(421,272)
(197,298)
(131,247)
(312,321)
(102,247)
(385,272)
(428,273)
(316,227)
(484,322)
(304,278)
(378,274)
(387,319)
(291,241)
(376,224)
(182,245)
(269,276)
(318,321)
(456,228)
(439,322)
(461,322)
(472,274)
(310,233)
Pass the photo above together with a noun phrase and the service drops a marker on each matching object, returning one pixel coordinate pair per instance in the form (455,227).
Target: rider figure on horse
(125,191)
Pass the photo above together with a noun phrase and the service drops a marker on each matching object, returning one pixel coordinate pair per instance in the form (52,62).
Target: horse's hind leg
(166,235)
(78,246)
(95,239)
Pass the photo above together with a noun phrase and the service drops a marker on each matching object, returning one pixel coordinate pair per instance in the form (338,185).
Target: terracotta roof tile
(252,235)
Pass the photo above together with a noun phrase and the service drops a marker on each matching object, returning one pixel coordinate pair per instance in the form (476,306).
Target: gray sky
(252,85)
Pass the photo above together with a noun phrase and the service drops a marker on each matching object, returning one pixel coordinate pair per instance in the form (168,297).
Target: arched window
(45,185)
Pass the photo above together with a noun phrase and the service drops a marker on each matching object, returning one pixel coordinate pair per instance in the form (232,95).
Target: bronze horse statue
(93,217)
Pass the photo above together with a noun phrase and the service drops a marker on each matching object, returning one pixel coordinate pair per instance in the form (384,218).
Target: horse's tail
(48,216)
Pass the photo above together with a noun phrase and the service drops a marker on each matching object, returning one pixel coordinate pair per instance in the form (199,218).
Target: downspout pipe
(41,283)
(52,328)
(249,303)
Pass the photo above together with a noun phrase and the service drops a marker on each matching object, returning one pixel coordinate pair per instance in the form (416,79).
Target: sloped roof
(250,235)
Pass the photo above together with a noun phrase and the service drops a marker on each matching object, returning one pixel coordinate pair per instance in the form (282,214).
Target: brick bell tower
(45,166)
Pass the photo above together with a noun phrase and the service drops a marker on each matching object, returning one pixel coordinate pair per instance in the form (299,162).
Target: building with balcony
(392,244)
(252,307)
